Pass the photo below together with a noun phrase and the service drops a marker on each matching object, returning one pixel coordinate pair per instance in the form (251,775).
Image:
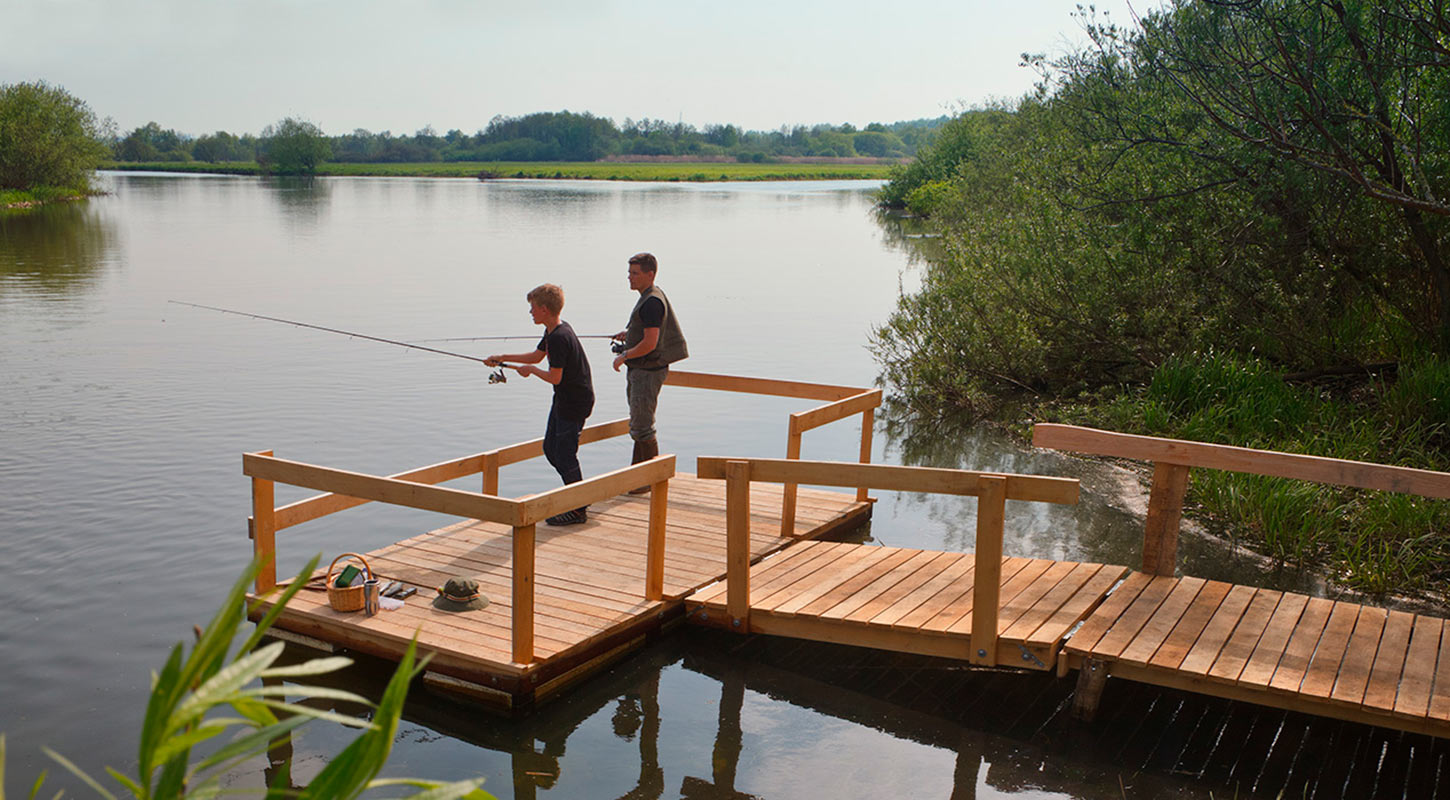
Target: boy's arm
(533,357)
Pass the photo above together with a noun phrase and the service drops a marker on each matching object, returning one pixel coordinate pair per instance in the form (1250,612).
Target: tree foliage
(48,137)
(293,147)
(1253,177)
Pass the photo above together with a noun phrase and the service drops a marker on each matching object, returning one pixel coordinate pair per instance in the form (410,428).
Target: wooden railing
(416,489)
(1172,459)
(992,490)
(842,402)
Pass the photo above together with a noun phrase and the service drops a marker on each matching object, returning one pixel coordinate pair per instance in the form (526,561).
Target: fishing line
(495,378)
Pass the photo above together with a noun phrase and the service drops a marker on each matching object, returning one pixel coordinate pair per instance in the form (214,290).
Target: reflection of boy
(573,388)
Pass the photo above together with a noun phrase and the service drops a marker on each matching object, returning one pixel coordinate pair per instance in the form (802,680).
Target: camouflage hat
(459,594)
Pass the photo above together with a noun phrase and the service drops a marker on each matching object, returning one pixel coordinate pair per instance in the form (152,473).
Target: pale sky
(239,65)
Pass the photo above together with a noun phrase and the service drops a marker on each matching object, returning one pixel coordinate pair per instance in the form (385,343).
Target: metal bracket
(1027,655)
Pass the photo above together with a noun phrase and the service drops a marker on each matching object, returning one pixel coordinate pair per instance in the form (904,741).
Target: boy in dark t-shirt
(573,388)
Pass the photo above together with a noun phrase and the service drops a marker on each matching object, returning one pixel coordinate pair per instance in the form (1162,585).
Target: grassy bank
(1371,541)
(586,170)
(39,195)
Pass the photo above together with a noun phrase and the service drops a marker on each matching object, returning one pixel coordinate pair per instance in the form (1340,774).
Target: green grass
(586,170)
(1372,541)
(24,198)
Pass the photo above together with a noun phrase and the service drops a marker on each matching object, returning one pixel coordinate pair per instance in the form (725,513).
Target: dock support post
(737,544)
(787,503)
(490,473)
(868,423)
(987,586)
(1092,676)
(264,531)
(523,621)
(1165,509)
(654,566)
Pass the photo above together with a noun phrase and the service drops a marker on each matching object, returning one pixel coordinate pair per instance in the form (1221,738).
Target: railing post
(987,589)
(737,544)
(490,473)
(868,422)
(1165,509)
(654,566)
(264,530)
(523,622)
(787,503)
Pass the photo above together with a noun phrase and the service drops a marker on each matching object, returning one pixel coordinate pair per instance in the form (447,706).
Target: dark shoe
(575,517)
(644,450)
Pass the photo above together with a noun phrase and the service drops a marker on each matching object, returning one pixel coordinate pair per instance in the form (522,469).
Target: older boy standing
(573,388)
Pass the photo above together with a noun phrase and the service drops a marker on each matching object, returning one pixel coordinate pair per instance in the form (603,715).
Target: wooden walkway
(913,601)
(589,604)
(1281,649)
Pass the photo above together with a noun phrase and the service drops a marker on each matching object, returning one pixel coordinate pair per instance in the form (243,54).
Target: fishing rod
(524,336)
(496,377)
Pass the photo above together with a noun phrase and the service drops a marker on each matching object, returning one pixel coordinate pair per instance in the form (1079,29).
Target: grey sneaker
(575,517)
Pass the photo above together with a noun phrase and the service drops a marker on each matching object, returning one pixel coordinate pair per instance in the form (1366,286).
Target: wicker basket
(351,597)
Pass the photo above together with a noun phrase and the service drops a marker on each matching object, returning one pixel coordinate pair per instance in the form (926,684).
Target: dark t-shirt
(574,393)
(652,313)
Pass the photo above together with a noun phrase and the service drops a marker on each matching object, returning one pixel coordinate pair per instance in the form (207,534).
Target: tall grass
(1372,541)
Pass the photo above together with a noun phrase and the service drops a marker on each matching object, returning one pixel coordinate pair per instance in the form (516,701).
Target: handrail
(521,514)
(992,490)
(843,401)
(1173,458)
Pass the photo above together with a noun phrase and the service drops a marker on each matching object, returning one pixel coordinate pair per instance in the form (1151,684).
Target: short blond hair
(547,295)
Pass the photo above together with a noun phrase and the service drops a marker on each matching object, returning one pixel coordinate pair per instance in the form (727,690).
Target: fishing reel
(617,347)
(498,376)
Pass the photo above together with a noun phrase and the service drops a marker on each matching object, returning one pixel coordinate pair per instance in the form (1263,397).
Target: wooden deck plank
(1052,631)
(1294,663)
(877,589)
(934,566)
(1012,588)
(1267,654)
(1245,637)
(779,569)
(1440,694)
(1389,662)
(1099,623)
(850,590)
(1215,634)
(954,578)
(1132,620)
(1354,671)
(960,608)
(1049,603)
(1165,618)
(822,581)
(1324,664)
(1420,664)
(1185,633)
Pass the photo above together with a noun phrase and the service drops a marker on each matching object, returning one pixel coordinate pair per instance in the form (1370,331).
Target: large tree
(293,147)
(48,137)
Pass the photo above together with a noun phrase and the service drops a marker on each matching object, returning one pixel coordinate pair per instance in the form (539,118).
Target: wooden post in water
(654,567)
(787,503)
(987,589)
(737,544)
(264,531)
(868,422)
(1165,510)
(523,621)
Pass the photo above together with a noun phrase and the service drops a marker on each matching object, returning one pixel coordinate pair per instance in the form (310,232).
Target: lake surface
(123,418)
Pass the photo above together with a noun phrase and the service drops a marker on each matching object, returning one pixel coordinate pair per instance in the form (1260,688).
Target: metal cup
(371,595)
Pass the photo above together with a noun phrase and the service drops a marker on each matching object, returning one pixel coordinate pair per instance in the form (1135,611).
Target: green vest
(671,345)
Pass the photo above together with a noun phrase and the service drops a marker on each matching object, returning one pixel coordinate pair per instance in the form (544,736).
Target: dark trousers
(561,446)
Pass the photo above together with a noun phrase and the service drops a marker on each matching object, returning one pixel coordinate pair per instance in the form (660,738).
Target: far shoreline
(671,171)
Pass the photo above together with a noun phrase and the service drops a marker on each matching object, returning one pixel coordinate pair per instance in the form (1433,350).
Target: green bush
(48,137)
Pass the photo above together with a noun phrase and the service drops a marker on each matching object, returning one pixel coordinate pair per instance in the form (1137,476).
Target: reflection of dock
(727,545)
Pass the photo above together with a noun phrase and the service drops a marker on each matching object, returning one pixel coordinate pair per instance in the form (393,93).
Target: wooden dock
(733,546)
(589,603)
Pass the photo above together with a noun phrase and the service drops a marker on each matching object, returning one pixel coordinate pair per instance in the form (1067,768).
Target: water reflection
(54,252)
(303,201)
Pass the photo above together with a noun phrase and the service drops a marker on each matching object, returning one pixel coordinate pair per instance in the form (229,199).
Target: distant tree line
(544,136)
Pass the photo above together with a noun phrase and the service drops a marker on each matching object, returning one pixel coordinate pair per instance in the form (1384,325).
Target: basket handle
(366,567)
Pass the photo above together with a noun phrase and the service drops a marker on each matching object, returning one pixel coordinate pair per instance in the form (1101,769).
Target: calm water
(123,419)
